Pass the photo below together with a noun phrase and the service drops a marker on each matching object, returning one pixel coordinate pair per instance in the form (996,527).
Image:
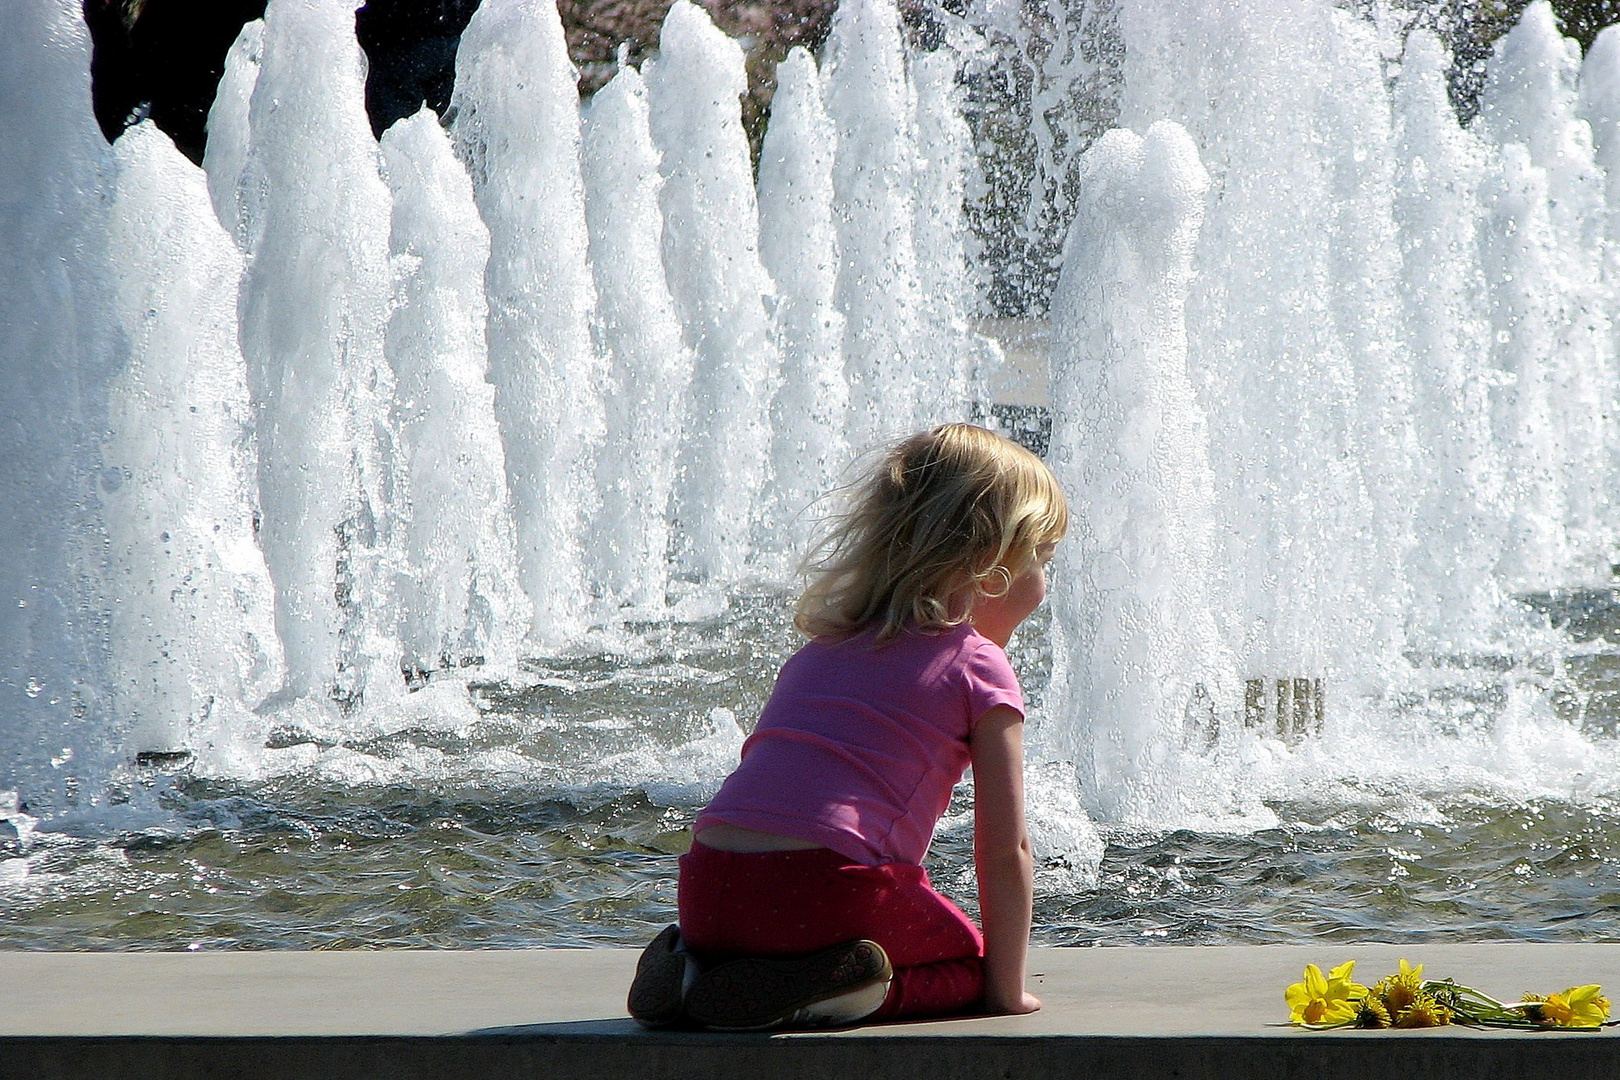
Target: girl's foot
(664,974)
(839,985)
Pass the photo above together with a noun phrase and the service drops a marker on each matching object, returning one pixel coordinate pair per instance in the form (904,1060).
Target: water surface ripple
(554,815)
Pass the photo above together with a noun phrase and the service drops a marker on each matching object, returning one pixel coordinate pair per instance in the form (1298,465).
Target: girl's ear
(995,582)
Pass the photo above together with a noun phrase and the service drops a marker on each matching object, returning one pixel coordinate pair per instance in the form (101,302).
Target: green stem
(1431,985)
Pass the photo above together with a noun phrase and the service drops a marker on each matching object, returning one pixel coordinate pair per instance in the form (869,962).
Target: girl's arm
(1001,853)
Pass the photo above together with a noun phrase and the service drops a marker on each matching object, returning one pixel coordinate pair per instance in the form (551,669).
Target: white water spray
(1518,255)
(1531,100)
(193,630)
(652,366)
(950,361)
(460,600)
(517,128)
(721,291)
(229,126)
(57,354)
(315,300)
(1287,322)
(1139,658)
(1456,596)
(798,244)
(870,102)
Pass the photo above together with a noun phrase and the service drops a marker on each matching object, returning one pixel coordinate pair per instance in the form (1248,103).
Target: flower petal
(1580,995)
(1315,984)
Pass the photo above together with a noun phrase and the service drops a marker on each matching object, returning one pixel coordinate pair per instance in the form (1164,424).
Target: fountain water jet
(1137,649)
(1531,100)
(1455,591)
(870,102)
(1288,321)
(720,288)
(547,370)
(193,634)
(798,246)
(949,358)
(225,156)
(460,600)
(652,366)
(57,354)
(315,301)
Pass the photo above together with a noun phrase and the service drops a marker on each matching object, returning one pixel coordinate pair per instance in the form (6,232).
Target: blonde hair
(946,513)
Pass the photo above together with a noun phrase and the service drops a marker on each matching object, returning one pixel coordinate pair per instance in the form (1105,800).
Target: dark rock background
(164,58)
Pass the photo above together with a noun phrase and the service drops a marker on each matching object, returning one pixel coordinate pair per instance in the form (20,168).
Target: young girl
(803,900)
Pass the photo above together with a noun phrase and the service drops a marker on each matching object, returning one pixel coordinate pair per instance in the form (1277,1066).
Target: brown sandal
(665,970)
(838,985)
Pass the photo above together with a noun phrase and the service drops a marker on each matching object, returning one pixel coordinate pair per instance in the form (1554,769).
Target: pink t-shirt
(859,746)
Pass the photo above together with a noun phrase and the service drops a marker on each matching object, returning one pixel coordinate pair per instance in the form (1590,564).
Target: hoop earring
(1006,577)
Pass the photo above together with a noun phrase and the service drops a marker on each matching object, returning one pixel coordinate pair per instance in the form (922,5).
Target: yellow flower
(1577,1007)
(1587,1005)
(1396,995)
(1372,1014)
(1330,1000)
(1556,1011)
(1424,1012)
(1398,991)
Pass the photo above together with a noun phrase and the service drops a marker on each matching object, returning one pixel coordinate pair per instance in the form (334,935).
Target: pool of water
(550,813)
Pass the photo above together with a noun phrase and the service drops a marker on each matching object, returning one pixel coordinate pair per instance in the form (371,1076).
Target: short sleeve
(991,681)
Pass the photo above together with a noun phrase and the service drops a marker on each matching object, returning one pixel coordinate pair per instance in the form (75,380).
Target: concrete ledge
(1151,1011)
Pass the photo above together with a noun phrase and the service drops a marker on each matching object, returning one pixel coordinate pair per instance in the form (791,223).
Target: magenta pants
(788,903)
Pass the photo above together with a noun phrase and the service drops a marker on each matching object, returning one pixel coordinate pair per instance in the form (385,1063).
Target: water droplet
(33,687)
